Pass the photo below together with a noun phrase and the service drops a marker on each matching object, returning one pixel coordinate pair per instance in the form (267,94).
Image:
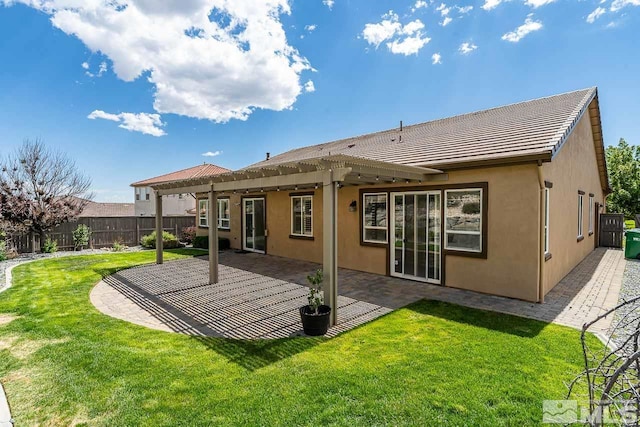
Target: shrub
(3,250)
(203,242)
(118,246)
(169,241)
(81,236)
(471,208)
(50,246)
(188,234)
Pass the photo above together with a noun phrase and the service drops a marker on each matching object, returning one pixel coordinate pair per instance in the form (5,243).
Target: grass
(62,362)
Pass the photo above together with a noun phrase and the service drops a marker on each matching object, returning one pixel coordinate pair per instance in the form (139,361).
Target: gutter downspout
(541,210)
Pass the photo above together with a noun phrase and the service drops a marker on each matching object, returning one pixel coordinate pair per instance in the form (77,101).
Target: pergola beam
(213,236)
(159,229)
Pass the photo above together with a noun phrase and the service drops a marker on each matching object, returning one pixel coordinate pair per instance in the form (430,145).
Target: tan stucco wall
(511,265)
(574,168)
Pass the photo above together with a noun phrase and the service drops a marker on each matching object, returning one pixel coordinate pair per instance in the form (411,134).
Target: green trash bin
(632,249)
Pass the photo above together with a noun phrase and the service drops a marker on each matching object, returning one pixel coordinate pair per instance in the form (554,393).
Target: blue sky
(131,89)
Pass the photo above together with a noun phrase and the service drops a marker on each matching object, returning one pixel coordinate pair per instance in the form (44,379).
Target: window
(137,193)
(580,200)
(301,216)
(224,220)
(546,221)
(463,220)
(203,213)
(147,193)
(591,213)
(374,221)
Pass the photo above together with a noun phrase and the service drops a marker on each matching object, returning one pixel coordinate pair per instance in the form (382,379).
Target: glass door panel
(409,235)
(434,249)
(248,224)
(421,236)
(259,225)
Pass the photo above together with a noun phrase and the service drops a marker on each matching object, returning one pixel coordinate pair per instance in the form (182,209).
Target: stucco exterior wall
(573,169)
(511,266)
(171,204)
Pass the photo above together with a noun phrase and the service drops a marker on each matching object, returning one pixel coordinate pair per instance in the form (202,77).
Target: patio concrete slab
(258,296)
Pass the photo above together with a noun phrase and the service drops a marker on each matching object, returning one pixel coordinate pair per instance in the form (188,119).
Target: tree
(40,189)
(623,162)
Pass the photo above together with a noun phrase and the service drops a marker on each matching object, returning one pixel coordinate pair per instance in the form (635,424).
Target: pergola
(330,172)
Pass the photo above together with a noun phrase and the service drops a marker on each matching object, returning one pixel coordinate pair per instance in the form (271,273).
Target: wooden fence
(105,230)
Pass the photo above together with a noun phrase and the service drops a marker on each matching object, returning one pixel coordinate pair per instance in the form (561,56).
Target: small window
(203,213)
(463,221)
(147,196)
(301,216)
(591,214)
(137,193)
(546,221)
(224,220)
(374,217)
(580,215)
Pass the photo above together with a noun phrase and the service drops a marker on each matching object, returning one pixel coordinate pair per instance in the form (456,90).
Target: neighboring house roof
(527,131)
(203,170)
(97,209)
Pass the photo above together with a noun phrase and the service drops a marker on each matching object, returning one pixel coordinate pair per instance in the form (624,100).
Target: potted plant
(315,315)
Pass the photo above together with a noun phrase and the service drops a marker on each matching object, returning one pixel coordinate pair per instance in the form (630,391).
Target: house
(102,209)
(503,201)
(174,204)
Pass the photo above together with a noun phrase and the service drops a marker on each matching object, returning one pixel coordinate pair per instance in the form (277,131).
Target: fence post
(177,235)
(137,231)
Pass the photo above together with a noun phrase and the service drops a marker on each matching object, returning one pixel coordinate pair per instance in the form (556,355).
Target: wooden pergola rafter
(329,172)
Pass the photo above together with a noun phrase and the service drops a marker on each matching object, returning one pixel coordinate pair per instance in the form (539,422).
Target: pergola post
(159,228)
(213,236)
(330,244)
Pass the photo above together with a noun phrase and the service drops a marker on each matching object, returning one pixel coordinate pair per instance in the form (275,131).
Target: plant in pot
(315,316)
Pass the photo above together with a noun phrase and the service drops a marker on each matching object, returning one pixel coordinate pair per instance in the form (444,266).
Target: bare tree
(610,381)
(41,189)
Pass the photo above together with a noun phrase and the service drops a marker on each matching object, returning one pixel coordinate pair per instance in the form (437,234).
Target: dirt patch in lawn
(5,319)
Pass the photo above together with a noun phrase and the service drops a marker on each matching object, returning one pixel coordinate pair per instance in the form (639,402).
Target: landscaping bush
(81,236)
(169,241)
(471,208)
(188,234)
(3,250)
(203,242)
(118,246)
(50,246)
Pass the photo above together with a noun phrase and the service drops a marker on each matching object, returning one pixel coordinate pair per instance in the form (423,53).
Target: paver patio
(258,296)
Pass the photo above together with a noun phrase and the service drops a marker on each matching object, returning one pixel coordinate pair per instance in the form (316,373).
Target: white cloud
(212,153)
(597,13)
(149,124)
(464,9)
(311,27)
(328,3)
(209,59)
(491,4)
(619,4)
(466,48)
(436,58)
(446,21)
(375,34)
(309,87)
(537,3)
(519,33)
(401,39)
(85,65)
(444,12)
(409,45)
(420,4)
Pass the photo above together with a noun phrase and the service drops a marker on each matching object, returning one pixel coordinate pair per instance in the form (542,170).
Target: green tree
(623,162)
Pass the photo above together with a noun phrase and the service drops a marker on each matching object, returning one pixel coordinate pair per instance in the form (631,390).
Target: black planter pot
(315,324)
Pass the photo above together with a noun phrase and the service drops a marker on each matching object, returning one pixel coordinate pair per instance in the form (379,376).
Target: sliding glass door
(416,251)
(253,214)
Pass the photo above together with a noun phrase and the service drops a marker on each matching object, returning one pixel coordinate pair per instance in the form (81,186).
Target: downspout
(541,210)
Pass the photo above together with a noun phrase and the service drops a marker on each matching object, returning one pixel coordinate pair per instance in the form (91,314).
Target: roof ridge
(200,166)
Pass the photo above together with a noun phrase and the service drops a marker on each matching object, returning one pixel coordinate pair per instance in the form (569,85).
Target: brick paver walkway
(258,295)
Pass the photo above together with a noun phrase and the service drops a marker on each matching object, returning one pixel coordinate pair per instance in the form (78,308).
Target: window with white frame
(580,215)
(546,221)
(203,213)
(137,193)
(591,214)
(463,220)
(374,217)
(224,218)
(301,216)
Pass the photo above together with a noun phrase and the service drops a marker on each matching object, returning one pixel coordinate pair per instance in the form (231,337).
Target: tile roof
(97,209)
(193,172)
(527,130)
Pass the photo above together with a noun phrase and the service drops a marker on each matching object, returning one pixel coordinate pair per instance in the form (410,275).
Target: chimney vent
(268,155)
(400,125)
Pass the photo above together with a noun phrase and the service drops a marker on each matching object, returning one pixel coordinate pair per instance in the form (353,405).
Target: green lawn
(431,363)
